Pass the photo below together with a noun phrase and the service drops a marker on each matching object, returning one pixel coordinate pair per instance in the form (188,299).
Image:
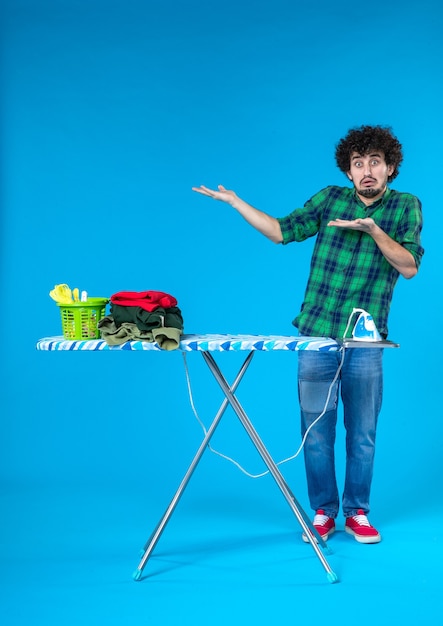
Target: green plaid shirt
(347,268)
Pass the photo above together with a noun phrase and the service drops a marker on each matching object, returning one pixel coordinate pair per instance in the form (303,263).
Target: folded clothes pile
(144,316)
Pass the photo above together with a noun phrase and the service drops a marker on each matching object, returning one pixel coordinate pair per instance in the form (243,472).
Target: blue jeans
(361,385)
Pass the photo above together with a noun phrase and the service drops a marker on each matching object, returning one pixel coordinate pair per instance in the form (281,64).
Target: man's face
(369,173)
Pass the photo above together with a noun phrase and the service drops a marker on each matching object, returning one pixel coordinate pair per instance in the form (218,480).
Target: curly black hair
(365,139)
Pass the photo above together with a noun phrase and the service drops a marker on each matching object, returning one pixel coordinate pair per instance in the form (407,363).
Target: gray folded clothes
(166,338)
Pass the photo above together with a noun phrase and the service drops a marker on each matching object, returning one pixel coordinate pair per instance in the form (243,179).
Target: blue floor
(236,557)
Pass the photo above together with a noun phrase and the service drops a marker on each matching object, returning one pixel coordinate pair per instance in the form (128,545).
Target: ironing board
(206,345)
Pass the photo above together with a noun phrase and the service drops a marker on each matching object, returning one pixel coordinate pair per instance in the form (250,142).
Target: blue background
(111,111)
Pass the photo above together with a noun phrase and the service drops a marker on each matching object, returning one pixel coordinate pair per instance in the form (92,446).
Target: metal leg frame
(152,541)
(314,538)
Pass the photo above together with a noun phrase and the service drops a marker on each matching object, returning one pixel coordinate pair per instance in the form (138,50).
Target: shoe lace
(361,520)
(320,520)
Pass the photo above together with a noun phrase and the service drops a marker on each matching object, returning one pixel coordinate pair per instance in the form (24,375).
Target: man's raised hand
(224,195)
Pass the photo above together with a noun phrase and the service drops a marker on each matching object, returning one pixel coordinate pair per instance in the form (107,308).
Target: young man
(366,236)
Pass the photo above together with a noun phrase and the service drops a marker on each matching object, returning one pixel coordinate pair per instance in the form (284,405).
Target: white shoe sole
(361,538)
(324,537)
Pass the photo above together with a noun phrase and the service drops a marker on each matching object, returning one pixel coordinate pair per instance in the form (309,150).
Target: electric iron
(365,328)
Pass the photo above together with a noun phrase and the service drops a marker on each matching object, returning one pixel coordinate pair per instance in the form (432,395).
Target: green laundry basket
(80,319)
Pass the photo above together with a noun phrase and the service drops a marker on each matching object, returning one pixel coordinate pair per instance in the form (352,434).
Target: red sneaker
(323,524)
(359,526)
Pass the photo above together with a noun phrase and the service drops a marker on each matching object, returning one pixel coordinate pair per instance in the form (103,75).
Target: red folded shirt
(147,300)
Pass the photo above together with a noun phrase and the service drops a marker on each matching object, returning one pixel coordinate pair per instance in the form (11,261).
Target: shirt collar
(375,205)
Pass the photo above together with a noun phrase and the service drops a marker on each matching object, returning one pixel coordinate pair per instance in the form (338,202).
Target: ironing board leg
(313,537)
(155,536)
